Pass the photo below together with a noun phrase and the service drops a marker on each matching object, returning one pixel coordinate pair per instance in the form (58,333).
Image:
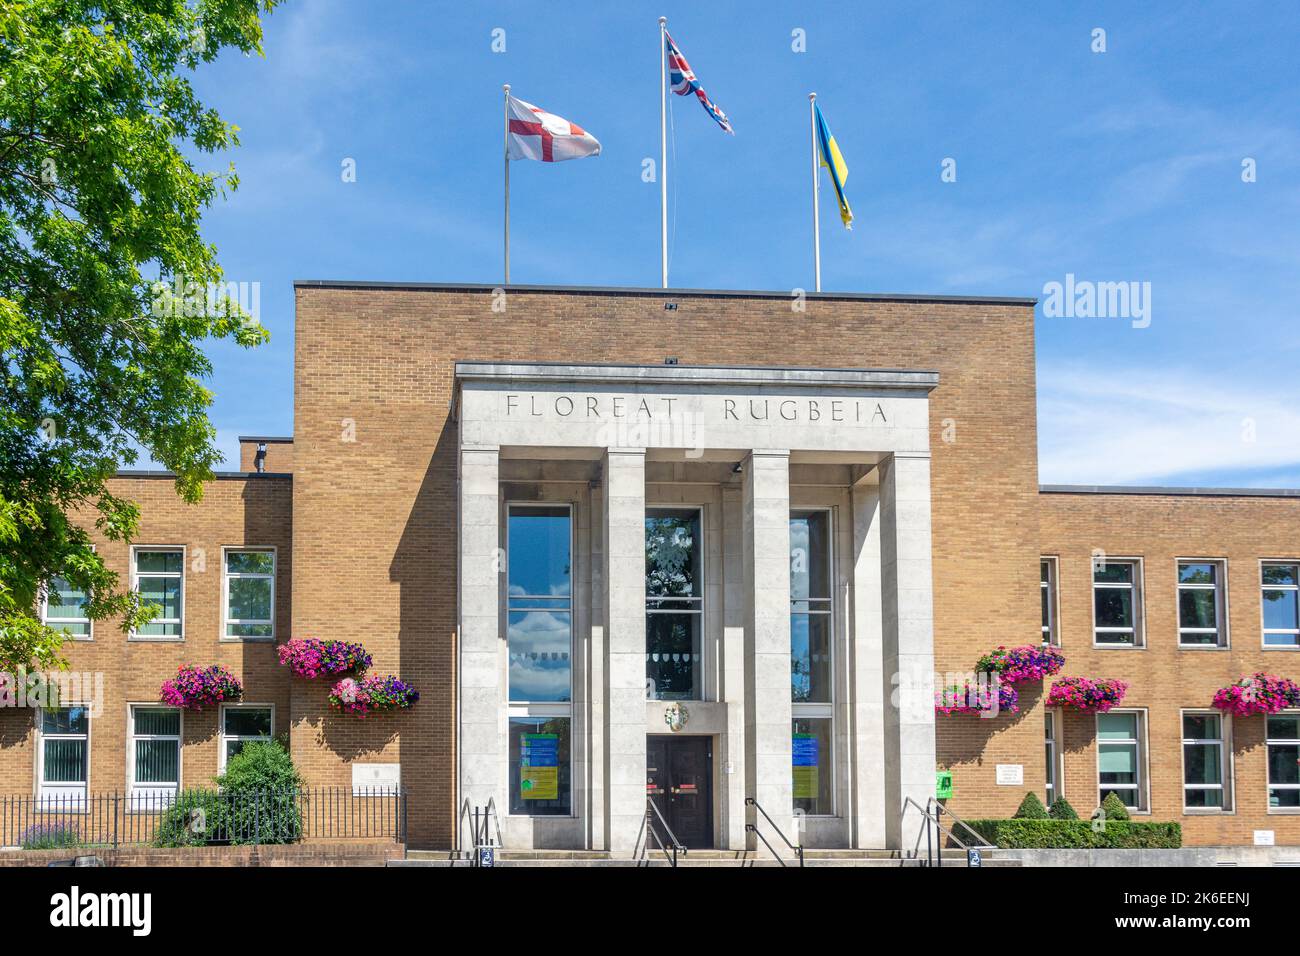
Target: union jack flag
(682,81)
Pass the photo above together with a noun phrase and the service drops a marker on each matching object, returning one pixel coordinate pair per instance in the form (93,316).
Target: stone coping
(695,375)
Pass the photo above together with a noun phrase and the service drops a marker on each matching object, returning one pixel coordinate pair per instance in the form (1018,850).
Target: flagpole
(663,150)
(506,155)
(817,238)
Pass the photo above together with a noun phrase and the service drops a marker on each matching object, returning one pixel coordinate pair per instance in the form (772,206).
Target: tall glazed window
(539,638)
(674,588)
(811,662)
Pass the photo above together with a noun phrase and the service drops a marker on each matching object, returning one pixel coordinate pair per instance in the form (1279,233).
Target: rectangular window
(1201,621)
(155,751)
(540,766)
(159,578)
(1119,757)
(63,608)
(249,587)
(63,753)
(242,723)
(812,683)
(539,603)
(674,581)
(1052,756)
(1117,603)
(810,608)
(1204,779)
(811,749)
(1047,593)
(1283,744)
(1279,584)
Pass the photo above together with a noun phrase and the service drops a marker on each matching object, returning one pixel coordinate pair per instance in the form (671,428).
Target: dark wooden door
(679,779)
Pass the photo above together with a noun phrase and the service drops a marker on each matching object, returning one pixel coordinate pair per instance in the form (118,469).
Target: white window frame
(226,575)
(137,549)
(61,795)
(1052,632)
(153,796)
(824,710)
(548,709)
(223,737)
(1224,743)
(1268,784)
(1220,589)
(1055,787)
(1141,757)
(1139,590)
(45,616)
(1264,631)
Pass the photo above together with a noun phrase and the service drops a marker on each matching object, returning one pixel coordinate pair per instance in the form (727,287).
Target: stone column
(767,640)
(908,639)
(481,732)
(732,779)
(868,690)
(624,579)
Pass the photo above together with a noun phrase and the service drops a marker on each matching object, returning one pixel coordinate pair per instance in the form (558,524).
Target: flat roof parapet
(1173,491)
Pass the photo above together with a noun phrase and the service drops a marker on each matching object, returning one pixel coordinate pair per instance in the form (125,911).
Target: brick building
(705,546)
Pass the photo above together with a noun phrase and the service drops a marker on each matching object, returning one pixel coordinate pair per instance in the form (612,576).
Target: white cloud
(1118,425)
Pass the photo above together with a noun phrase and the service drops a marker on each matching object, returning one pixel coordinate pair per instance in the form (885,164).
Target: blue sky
(1115,166)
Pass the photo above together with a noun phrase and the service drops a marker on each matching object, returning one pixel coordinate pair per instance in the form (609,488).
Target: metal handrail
(474,814)
(934,851)
(751,828)
(675,844)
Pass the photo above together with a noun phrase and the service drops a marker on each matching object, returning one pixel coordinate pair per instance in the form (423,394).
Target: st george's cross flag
(534,133)
(682,80)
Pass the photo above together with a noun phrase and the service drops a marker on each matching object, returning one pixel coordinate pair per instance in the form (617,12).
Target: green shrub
(1114,807)
(260,765)
(1061,810)
(1031,808)
(1078,834)
(261,786)
(175,825)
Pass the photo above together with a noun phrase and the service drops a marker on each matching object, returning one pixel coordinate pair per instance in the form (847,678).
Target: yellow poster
(539,783)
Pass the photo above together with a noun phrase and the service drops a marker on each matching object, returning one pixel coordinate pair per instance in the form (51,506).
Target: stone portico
(747,447)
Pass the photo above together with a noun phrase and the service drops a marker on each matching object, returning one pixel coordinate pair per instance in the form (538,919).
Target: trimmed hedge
(1078,835)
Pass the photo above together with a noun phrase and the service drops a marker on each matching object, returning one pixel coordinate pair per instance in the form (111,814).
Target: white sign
(376,778)
(1011,775)
(1263,838)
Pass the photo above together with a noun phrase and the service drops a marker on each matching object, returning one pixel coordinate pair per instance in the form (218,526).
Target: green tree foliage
(1114,807)
(1062,810)
(107,289)
(1031,808)
(260,765)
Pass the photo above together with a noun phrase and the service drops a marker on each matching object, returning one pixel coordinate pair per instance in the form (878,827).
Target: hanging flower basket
(1087,695)
(1019,665)
(977,697)
(310,657)
(195,688)
(1258,694)
(371,695)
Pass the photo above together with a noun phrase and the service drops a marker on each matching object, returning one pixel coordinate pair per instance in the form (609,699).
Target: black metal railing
(935,832)
(752,828)
(201,817)
(651,828)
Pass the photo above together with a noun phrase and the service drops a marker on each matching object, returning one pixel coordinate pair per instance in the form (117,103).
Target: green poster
(539,767)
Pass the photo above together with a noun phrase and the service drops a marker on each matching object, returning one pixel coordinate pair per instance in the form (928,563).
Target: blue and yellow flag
(834,163)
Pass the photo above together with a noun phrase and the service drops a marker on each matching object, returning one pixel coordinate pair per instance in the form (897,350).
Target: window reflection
(674,605)
(539,615)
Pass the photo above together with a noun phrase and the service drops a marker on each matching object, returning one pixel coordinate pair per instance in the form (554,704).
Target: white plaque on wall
(376,778)
(1011,775)
(1263,838)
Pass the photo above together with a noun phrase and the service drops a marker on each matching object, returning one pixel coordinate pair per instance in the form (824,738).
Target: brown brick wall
(279,456)
(233,513)
(1164,678)
(375,517)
